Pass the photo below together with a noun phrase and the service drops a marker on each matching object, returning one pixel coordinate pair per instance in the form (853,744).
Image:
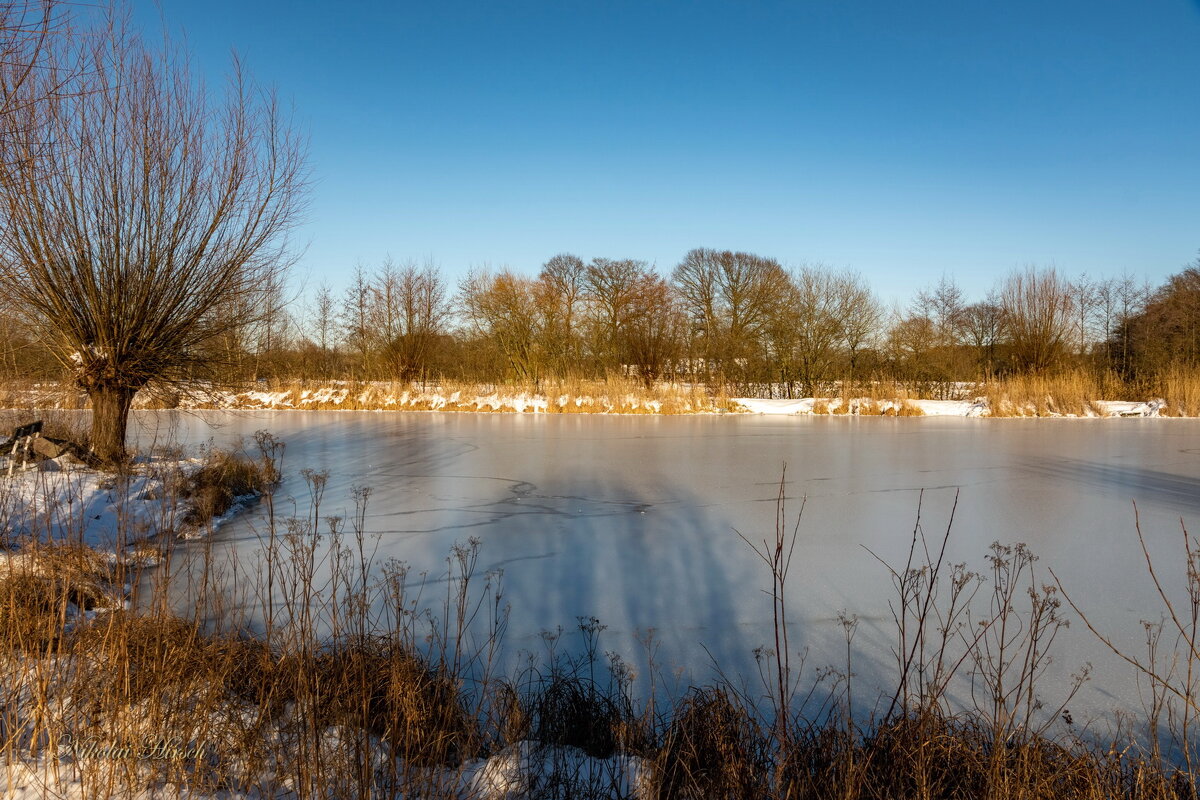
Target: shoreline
(594,398)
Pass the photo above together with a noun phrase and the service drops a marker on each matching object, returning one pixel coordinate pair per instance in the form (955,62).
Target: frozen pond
(631,519)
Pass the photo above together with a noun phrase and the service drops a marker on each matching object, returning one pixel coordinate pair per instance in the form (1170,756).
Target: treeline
(722,318)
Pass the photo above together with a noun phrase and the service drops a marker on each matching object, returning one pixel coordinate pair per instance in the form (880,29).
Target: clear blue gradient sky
(901,139)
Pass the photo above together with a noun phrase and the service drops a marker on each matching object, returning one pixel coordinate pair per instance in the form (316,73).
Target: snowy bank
(936,408)
(595,397)
(63,500)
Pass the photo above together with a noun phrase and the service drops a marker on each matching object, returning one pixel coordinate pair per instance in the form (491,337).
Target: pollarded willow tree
(142,216)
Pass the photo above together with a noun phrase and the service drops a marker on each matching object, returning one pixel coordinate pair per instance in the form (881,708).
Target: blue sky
(903,140)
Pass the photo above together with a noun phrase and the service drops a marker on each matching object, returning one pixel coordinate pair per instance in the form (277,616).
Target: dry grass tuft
(225,478)
(1181,389)
(574,712)
(141,654)
(712,749)
(32,612)
(1075,393)
(384,689)
(821,761)
(43,586)
(506,716)
(866,407)
(1043,396)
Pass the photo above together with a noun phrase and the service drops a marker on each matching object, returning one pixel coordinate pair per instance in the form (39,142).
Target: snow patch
(528,769)
(1116,408)
(757,406)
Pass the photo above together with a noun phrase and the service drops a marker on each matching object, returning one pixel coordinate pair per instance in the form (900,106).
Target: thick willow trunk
(110,416)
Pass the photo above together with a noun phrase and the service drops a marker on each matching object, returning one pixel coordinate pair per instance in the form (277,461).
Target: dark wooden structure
(22,439)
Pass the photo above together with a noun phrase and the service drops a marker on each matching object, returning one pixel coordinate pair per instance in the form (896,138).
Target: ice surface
(632,519)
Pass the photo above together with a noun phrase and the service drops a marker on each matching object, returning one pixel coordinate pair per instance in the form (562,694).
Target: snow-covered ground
(1120,408)
(524,770)
(65,501)
(814,405)
(61,501)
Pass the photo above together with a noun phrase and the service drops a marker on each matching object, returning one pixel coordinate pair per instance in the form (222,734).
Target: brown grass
(613,395)
(225,477)
(570,711)
(933,756)
(713,747)
(1181,389)
(386,689)
(1069,392)
(867,407)
(1075,393)
(41,585)
(1062,394)
(31,612)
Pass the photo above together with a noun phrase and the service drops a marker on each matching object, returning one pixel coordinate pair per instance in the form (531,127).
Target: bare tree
(271,325)
(696,281)
(610,288)
(408,313)
(135,209)
(1039,316)
(321,328)
(1165,332)
(864,318)
(560,289)
(731,298)
(944,306)
(982,326)
(1084,297)
(910,342)
(1118,301)
(28,74)
(502,308)
(652,328)
(355,318)
(813,327)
